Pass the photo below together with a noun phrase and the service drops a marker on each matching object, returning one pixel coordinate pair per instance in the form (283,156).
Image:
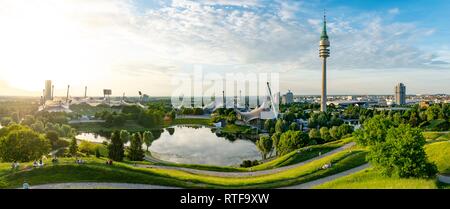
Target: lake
(195,145)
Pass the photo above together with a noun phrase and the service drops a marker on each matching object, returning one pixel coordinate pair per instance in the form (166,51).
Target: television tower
(324,53)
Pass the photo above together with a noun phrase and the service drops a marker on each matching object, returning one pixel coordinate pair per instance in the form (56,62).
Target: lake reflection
(201,146)
(194,145)
(91,137)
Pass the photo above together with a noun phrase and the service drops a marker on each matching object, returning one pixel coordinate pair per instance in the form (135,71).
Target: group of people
(38,164)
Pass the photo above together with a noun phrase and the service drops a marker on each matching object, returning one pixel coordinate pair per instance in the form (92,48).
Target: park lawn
(372,179)
(306,153)
(432,135)
(205,167)
(96,171)
(437,124)
(90,110)
(444,137)
(285,160)
(439,153)
(235,129)
(191,121)
(129,125)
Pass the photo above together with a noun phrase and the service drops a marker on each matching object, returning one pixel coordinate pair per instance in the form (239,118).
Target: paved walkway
(250,173)
(309,185)
(443,179)
(97,185)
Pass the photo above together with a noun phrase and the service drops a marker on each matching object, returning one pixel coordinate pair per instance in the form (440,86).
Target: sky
(139,45)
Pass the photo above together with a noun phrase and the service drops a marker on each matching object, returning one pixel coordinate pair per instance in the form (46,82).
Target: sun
(44,44)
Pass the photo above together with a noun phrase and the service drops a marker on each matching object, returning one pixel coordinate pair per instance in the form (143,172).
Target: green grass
(235,129)
(285,160)
(130,126)
(305,154)
(434,136)
(371,179)
(436,125)
(205,167)
(96,171)
(90,110)
(191,121)
(431,135)
(439,153)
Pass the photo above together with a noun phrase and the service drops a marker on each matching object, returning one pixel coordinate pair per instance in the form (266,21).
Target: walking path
(245,174)
(309,185)
(443,179)
(98,185)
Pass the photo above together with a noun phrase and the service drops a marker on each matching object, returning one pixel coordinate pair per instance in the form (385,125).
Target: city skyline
(131,46)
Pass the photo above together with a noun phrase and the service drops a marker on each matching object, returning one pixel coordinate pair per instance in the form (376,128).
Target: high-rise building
(400,94)
(287,98)
(48,90)
(324,53)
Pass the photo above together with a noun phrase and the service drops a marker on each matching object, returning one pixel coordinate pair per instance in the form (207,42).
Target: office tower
(48,90)
(400,94)
(324,53)
(289,97)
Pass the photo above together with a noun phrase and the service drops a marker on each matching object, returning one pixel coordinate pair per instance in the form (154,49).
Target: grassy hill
(438,152)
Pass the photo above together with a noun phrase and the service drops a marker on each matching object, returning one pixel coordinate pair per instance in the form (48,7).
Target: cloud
(91,38)
(394,11)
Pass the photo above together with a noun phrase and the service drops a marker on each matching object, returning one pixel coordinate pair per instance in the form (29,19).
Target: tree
(293,126)
(53,137)
(402,154)
(374,130)
(275,139)
(28,120)
(135,152)
(325,134)
(97,153)
(432,112)
(148,138)
(73,147)
(125,136)
(15,117)
(289,117)
(291,140)
(279,126)
(6,121)
(314,134)
(23,145)
(268,124)
(115,148)
(66,131)
(334,133)
(264,145)
(344,130)
(38,126)
(335,121)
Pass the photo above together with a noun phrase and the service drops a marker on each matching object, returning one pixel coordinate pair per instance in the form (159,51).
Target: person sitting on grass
(35,164)
(25,185)
(41,163)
